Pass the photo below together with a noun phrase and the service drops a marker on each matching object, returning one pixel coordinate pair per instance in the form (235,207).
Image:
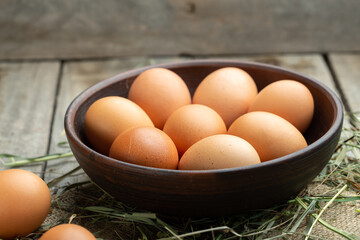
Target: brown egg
(147,146)
(270,135)
(229,91)
(190,123)
(218,152)
(25,202)
(67,232)
(108,117)
(159,92)
(288,99)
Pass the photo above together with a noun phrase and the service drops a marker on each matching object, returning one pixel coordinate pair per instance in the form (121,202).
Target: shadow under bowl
(210,192)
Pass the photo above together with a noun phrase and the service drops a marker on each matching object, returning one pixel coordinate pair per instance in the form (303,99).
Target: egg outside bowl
(210,192)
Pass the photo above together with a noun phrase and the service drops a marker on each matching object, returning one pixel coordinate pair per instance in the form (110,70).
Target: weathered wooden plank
(27,93)
(82,29)
(346,67)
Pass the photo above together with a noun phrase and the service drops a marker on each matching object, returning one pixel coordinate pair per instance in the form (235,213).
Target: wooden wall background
(71,29)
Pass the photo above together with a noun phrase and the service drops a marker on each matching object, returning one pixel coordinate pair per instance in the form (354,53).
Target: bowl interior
(192,72)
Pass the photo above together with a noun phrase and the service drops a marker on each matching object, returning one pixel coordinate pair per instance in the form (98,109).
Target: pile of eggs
(226,123)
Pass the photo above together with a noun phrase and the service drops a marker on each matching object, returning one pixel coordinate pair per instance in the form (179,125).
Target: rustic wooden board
(68,29)
(78,75)
(347,71)
(27,95)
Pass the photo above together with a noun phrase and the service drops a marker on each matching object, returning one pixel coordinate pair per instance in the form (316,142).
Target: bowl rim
(84,95)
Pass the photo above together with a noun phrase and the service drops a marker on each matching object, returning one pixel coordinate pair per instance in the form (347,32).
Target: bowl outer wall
(213,192)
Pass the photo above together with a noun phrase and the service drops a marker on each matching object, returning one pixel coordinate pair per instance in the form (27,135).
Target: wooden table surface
(34,96)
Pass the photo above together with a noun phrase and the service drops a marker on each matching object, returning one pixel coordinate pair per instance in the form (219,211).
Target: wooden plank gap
(51,126)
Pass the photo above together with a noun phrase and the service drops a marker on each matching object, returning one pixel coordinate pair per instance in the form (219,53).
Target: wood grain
(346,67)
(27,94)
(70,29)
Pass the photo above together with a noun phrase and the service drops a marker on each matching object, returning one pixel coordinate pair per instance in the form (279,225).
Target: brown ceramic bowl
(210,192)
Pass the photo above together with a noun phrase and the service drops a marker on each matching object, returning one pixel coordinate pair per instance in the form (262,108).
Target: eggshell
(147,146)
(66,232)
(288,99)
(218,152)
(159,92)
(107,117)
(25,202)
(270,135)
(229,91)
(190,123)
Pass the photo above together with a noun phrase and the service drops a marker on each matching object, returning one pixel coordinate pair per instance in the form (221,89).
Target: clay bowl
(210,192)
